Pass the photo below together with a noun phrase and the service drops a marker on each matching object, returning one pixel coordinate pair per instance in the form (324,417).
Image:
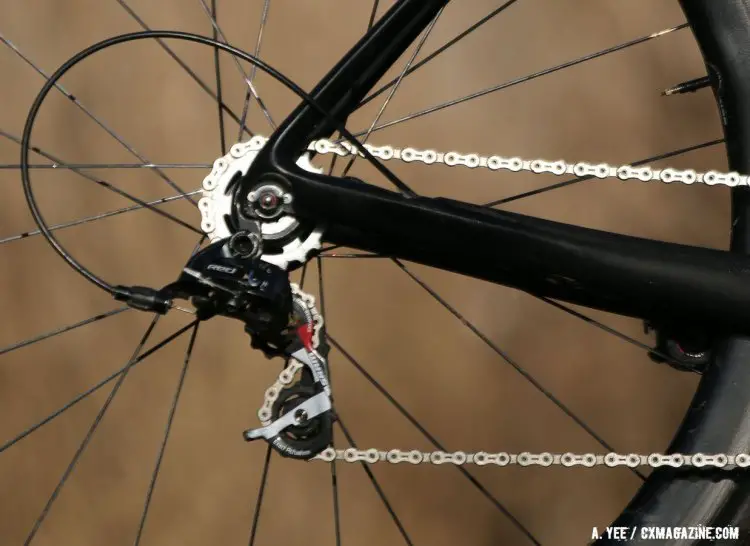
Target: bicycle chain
(536,166)
(482,458)
(514,164)
(496,162)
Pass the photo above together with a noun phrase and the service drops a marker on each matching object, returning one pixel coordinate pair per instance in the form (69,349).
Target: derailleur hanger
(683,348)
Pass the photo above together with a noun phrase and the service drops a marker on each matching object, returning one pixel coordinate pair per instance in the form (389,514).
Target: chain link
(536,166)
(513,164)
(495,163)
(502,458)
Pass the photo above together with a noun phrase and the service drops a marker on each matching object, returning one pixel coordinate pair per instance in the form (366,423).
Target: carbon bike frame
(662,282)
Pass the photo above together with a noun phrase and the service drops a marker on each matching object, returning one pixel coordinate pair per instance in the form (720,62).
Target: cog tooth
(297,250)
(216,204)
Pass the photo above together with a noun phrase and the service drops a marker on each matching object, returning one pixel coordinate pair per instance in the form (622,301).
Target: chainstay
(514,164)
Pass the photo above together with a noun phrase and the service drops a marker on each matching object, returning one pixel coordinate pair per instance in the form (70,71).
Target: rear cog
(286,240)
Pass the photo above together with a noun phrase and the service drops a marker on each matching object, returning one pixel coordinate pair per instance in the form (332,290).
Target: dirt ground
(449,379)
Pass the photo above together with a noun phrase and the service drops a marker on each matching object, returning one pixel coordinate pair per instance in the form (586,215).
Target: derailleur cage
(228,278)
(308,436)
(298,416)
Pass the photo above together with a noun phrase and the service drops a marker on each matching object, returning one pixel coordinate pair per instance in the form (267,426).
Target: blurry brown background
(460,390)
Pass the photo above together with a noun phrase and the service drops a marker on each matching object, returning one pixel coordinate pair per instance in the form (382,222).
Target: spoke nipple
(687,87)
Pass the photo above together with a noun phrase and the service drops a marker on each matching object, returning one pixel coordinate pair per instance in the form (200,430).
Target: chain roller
(496,163)
(287,375)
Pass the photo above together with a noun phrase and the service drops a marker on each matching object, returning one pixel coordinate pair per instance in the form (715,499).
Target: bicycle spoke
(94,118)
(468,475)
(502,354)
(187,69)
(353,255)
(440,50)
(261,491)
(330,247)
(334,479)
(376,486)
(217,66)
(372,14)
(335,496)
(108,186)
(71,166)
(320,287)
(92,429)
(93,389)
(170,420)
(256,54)
(93,218)
(524,79)
(589,177)
(400,78)
(61,330)
(604,327)
(246,79)
(332,165)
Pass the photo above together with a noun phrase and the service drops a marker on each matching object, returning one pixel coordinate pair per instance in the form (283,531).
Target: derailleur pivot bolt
(245,245)
(268,201)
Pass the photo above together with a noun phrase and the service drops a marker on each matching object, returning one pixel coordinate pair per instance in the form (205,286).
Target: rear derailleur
(227,278)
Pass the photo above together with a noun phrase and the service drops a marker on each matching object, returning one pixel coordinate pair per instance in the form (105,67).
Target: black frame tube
(657,281)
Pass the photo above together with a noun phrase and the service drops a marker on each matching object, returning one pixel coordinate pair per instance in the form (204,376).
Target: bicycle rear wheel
(666,498)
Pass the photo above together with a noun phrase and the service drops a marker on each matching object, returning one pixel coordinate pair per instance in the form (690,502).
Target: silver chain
(482,458)
(514,164)
(494,163)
